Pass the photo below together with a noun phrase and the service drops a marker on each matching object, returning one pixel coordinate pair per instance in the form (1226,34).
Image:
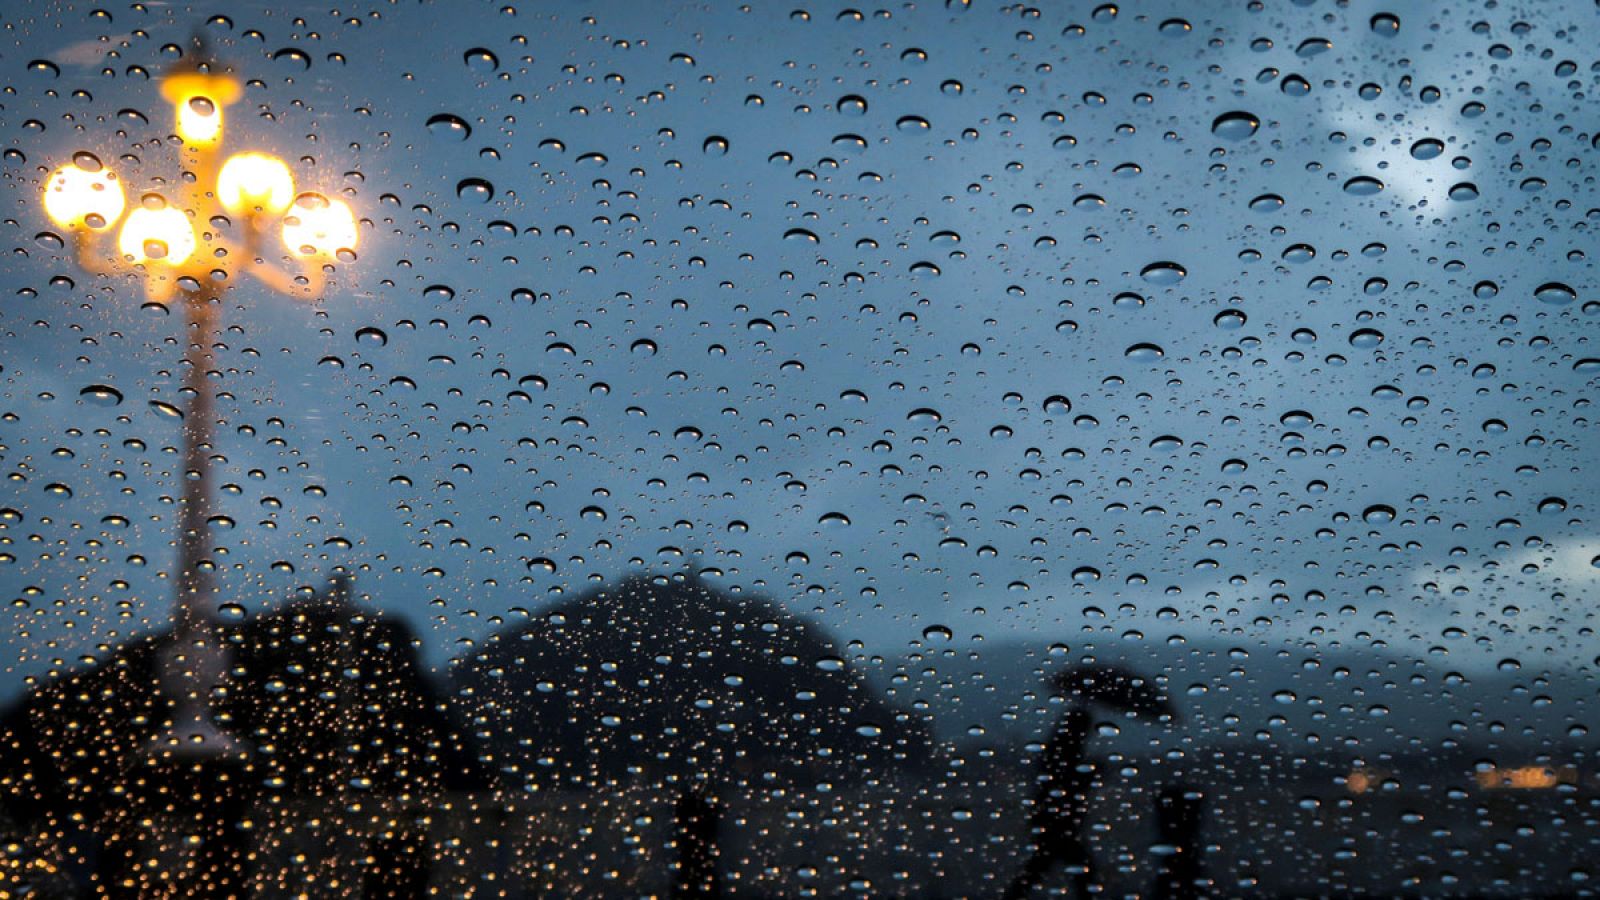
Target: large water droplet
(1363,186)
(451,128)
(1235,126)
(1427,148)
(1555,293)
(1163,273)
(480,60)
(101,395)
(476,190)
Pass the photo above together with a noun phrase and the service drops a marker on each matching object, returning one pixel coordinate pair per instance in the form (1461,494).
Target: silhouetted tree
(337,717)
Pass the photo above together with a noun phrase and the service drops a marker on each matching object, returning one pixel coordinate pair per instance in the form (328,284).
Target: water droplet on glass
(1427,148)
(1295,85)
(101,395)
(451,128)
(1366,338)
(1144,353)
(476,190)
(1313,47)
(1163,273)
(293,55)
(1554,293)
(1378,514)
(1363,186)
(480,60)
(1229,320)
(1235,126)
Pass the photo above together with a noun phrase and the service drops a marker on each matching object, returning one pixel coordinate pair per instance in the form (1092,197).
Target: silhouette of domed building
(661,679)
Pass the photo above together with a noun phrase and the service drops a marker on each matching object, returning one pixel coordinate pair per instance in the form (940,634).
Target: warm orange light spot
(198,100)
(76,197)
(1525,778)
(318,226)
(1359,782)
(157,234)
(255,181)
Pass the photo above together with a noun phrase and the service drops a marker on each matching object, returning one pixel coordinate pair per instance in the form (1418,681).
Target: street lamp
(193,245)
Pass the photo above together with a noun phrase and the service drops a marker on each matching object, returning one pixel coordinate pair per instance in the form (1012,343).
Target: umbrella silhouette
(1112,686)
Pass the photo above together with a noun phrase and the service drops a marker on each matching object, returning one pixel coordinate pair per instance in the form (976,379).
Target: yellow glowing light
(255,181)
(318,226)
(76,197)
(199,120)
(1359,782)
(198,100)
(1525,778)
(161,235)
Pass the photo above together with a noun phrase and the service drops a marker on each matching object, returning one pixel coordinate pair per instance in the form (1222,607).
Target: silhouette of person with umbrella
(1061,803)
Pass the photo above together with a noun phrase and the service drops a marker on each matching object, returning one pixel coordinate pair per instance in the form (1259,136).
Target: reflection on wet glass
(944,449)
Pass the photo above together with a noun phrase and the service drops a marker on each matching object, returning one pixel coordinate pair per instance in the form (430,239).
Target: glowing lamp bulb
(199,120)
(79,197)
(198,100)
(318,226)
(255,181)
(157,235)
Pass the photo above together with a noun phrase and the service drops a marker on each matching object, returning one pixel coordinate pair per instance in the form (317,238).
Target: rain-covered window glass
(948,448)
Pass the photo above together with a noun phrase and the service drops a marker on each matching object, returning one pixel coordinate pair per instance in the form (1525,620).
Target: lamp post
(192,248)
